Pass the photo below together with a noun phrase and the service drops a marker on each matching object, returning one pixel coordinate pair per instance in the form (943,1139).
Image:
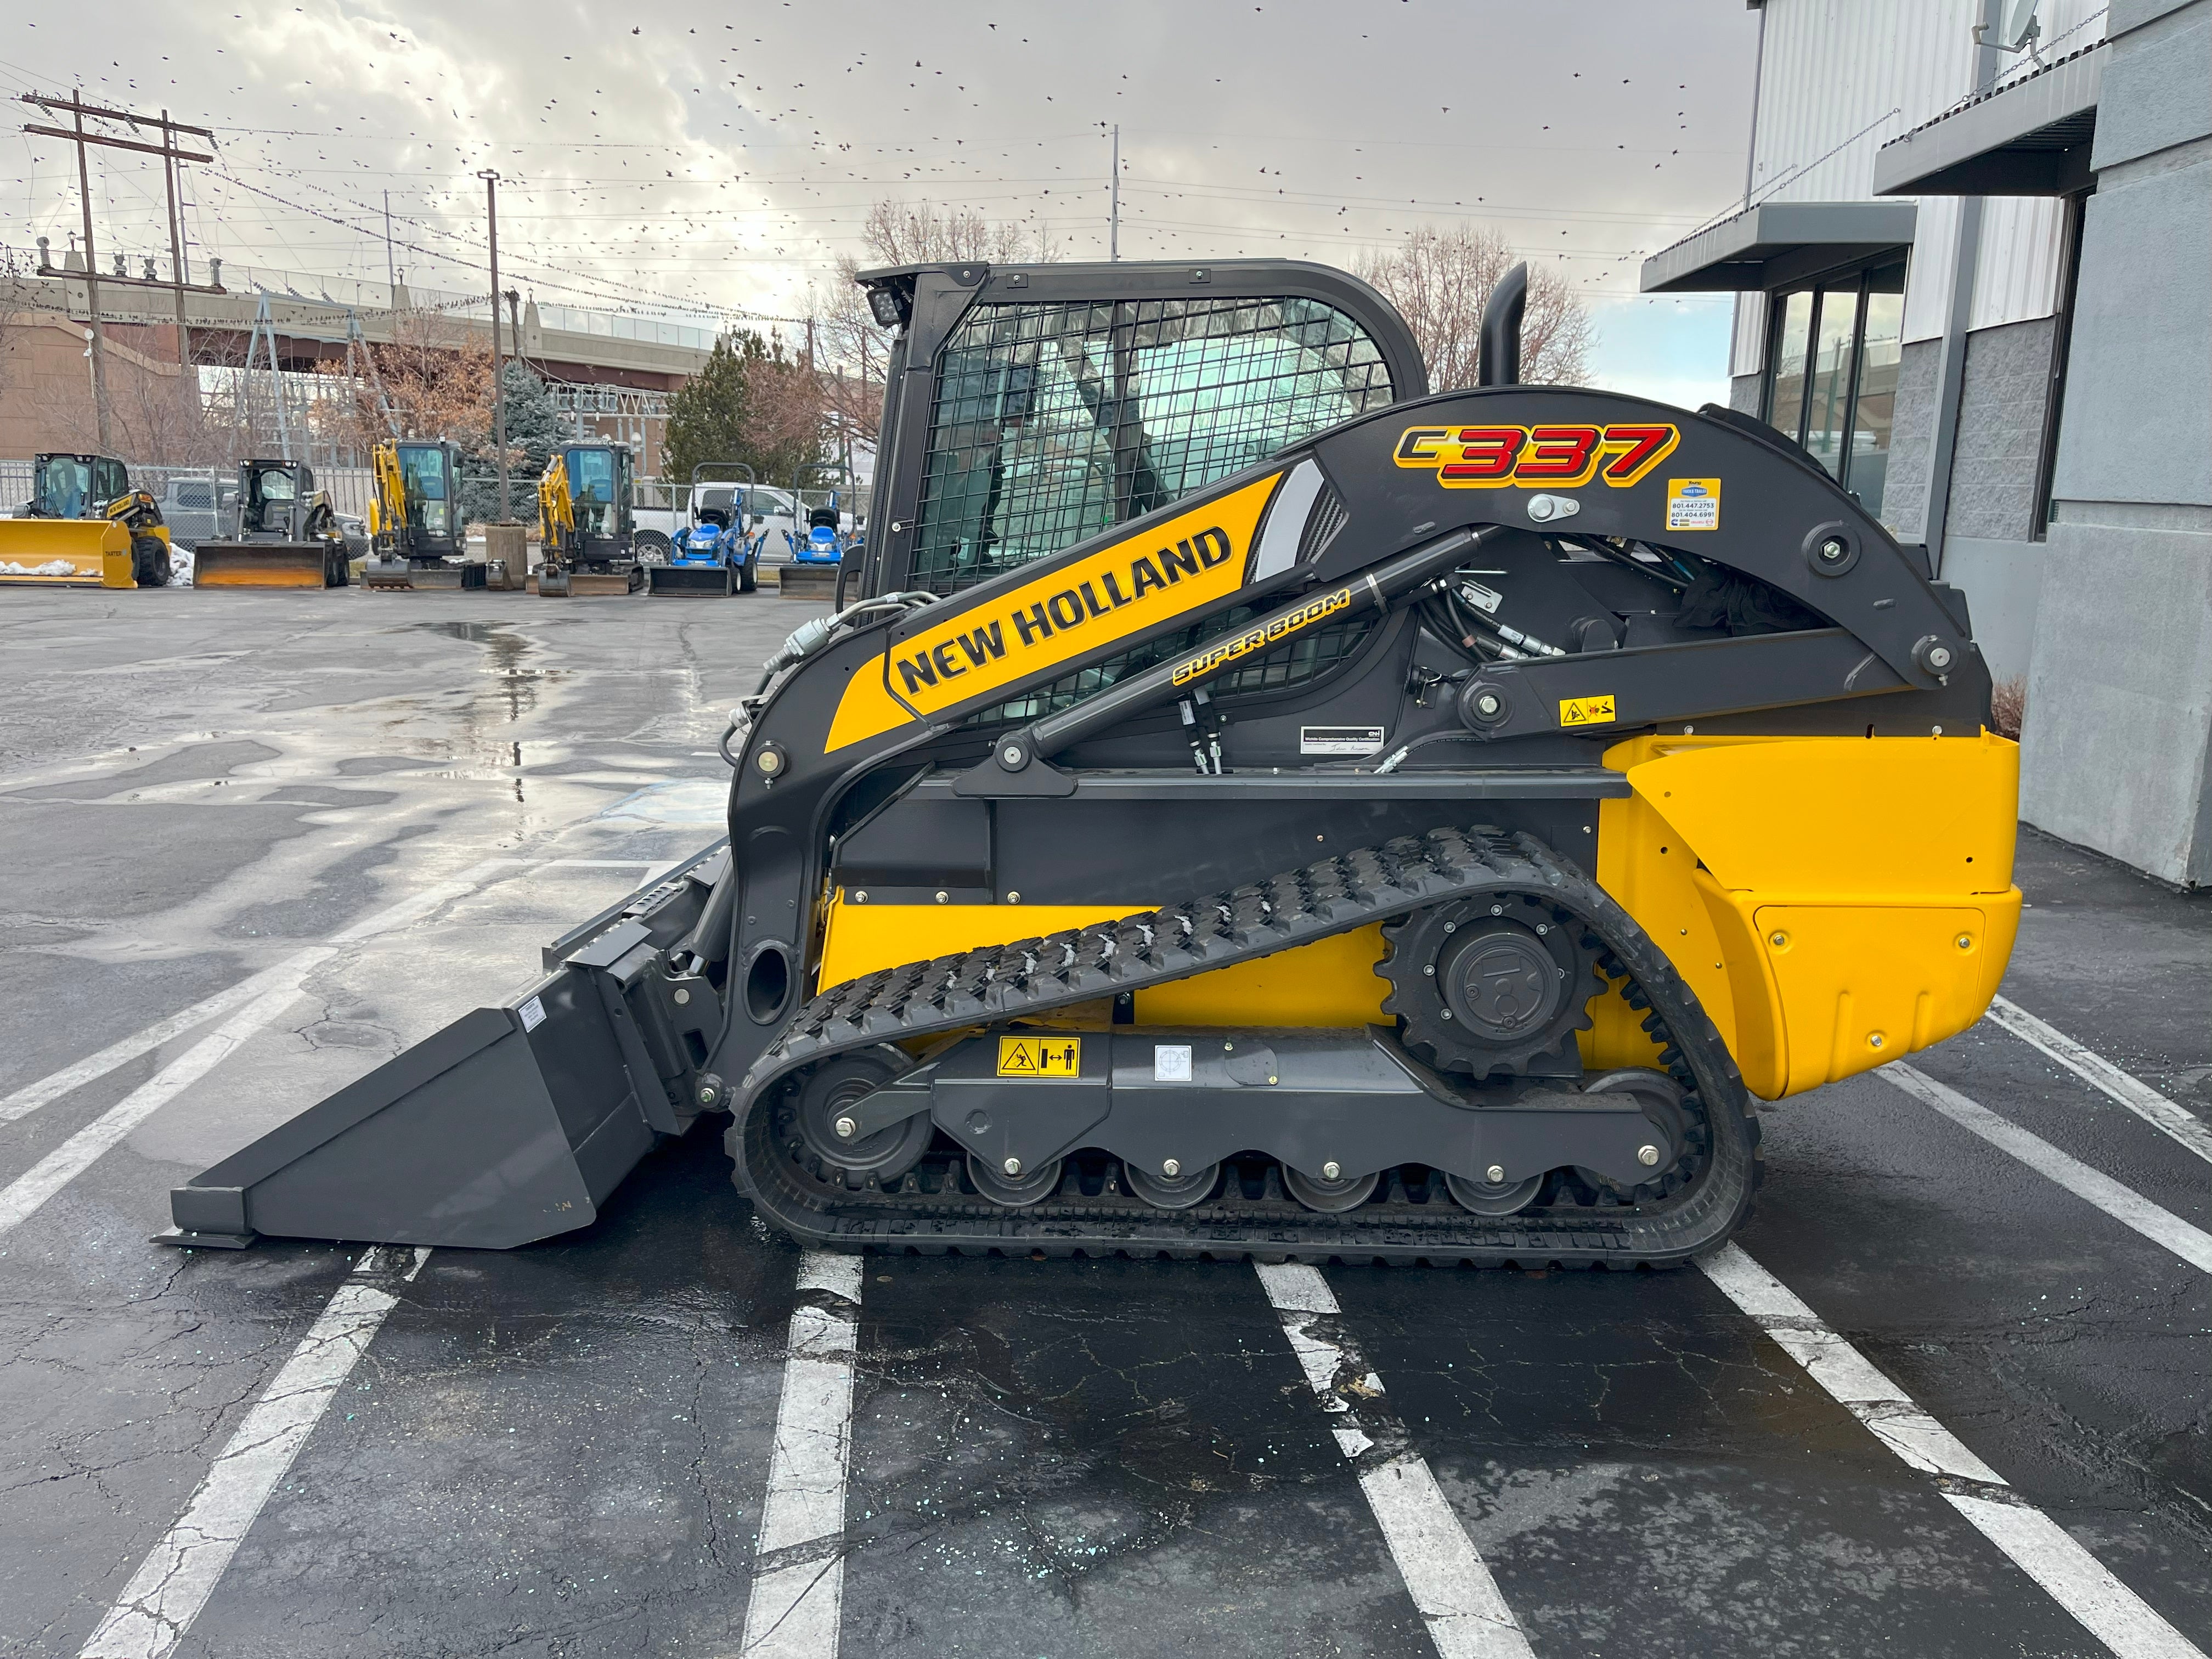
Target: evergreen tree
(534,432)
(708,416)
(748,404)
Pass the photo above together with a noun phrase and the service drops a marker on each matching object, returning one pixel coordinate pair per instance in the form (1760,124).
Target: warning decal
(1586,711)
(1049,1056)
(1693,503)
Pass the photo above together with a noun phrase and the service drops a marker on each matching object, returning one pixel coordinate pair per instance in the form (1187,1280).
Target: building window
(1831,374)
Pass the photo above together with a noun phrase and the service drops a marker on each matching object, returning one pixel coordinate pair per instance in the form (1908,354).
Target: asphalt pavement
(1949,1396)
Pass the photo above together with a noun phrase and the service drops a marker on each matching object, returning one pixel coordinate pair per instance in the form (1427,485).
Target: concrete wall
(2119,714)
(2002,400)
(1743,393)
(1911,435)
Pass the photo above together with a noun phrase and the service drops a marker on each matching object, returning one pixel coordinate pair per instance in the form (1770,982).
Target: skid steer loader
(285,534)
(1254,807)
(84,526)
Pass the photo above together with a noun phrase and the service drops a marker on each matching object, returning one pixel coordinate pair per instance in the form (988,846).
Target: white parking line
(798,1563)
(2038,1546)
(2123,1203)
(1447,1580)
(23,1196)
(2092,1068)
(27,1099)
(173,1582)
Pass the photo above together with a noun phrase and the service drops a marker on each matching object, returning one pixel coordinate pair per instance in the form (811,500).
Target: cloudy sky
(660,155)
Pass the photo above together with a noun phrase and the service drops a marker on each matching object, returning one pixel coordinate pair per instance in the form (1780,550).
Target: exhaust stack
(1497,362)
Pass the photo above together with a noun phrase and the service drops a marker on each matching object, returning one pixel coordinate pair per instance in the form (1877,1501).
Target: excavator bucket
(65,553)
(510,1125)
(269,564)
(691,581)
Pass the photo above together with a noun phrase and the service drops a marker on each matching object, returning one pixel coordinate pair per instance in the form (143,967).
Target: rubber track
(1000,983)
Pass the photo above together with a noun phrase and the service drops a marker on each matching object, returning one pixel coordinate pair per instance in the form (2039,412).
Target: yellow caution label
(1054,1056)
(1586,711)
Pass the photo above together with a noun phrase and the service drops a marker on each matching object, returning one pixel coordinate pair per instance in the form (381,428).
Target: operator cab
(77,486)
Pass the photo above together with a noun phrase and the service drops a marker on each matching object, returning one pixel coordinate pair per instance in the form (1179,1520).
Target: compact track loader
(284,534)
(84,526)
(1255,806)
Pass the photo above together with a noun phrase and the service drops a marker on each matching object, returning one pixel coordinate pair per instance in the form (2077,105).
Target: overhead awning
(2029,137)
(1778,243)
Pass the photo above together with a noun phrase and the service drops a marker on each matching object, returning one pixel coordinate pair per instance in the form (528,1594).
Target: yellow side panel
(862,938)
(1834,902)
(1332,981)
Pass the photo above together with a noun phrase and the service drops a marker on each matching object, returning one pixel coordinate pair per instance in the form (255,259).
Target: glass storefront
(1832,379)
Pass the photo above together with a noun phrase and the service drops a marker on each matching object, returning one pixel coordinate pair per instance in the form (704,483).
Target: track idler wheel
(1016,1190)
(1330,1194)
(1177,1191)
(823,1099)
(1493,1198)
(1488,987)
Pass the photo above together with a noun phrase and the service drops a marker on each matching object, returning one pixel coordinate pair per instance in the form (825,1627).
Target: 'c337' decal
(1004,639)
(1535,457)
(1258,639)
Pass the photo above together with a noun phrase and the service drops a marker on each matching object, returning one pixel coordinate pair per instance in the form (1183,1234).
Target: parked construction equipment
(417,535)
(1255,806)
(818,552)
(284,533)
(716,554)
(84,526)
(585,522)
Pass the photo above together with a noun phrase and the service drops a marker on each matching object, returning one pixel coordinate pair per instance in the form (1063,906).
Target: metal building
(1974,277)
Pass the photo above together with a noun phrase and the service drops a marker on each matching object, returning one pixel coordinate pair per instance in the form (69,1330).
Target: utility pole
(188,392)
(498,366)
(390,270)
(1114,201)
(96,338)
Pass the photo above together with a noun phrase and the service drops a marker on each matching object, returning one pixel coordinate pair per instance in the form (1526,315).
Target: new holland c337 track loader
(1251,805)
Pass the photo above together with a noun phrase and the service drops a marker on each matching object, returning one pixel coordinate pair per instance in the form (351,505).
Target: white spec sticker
(1171,1062)
(1340,740)
(533,1014)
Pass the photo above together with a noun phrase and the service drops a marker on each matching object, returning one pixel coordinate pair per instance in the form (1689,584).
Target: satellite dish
(2021,30)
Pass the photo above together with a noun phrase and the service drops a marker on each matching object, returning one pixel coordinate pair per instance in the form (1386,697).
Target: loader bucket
(269,564)
(65,553)
(510,1125)
(817,582)
(691,581)
(588,584)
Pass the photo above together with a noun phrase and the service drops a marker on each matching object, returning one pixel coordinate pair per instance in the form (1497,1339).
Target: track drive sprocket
(1494,986)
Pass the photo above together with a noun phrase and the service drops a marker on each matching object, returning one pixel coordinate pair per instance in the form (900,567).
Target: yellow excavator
(84,526)
(417,535)
(585,523)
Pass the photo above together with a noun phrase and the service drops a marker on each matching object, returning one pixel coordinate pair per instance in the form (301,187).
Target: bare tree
(1439,281)
(436,373)
(853,347)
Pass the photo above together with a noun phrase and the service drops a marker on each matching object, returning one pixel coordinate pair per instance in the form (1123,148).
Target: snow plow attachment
(269,564)
(65,553)
(510,1125)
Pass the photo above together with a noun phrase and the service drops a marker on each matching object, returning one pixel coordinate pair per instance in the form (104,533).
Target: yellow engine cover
(1834,902)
